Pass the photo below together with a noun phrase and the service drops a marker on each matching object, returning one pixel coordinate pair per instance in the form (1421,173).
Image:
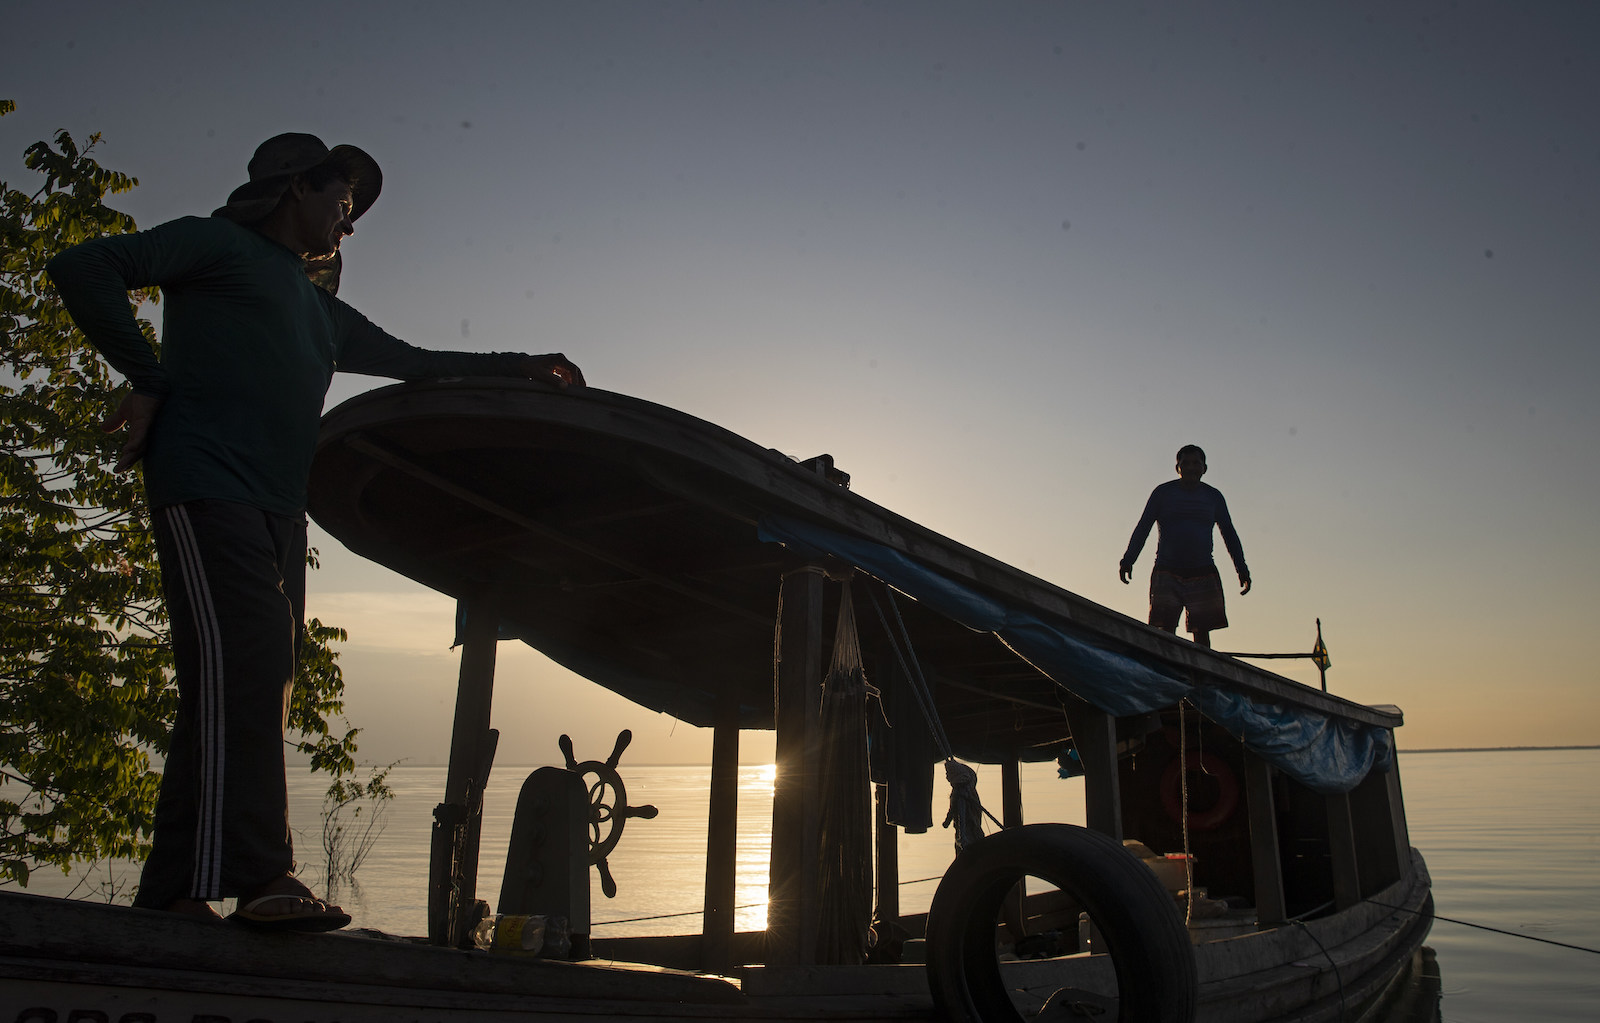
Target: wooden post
(1265,858)
(1342,850)
(1010,792)
(1094,734)
(1397,814)
(454,868)
(792,892)
(888,850)
(1014,910)
(722,846)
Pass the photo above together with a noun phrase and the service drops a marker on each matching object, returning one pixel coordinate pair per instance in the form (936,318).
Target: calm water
(1512,840)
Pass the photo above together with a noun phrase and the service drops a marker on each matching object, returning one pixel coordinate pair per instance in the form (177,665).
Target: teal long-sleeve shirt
(248,348)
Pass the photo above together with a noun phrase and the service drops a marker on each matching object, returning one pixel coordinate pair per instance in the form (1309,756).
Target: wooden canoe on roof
(606,523)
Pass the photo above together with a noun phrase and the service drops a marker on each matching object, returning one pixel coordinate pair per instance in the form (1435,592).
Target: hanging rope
(966,808)
(1183,775)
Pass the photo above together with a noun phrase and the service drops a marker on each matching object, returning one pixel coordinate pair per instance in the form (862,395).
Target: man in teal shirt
(1185,576)
(226,424)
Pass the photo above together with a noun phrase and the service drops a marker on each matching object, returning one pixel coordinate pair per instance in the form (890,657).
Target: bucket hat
(282,157)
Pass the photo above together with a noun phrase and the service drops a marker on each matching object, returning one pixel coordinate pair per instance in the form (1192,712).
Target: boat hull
(86,961)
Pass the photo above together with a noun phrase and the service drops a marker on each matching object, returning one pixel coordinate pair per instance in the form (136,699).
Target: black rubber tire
(1146,936)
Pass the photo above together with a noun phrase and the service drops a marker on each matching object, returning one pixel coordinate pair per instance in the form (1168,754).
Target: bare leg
(1203,638)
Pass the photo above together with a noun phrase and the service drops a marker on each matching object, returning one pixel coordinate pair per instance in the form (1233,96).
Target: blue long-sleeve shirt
(248,348)
(1186,516)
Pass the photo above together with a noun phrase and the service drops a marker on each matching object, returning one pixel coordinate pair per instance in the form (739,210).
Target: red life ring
(1218,812)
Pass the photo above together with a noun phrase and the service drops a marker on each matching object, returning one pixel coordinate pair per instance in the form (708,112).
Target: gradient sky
(999,259)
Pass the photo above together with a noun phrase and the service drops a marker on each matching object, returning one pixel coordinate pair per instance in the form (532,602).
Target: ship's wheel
(608,805)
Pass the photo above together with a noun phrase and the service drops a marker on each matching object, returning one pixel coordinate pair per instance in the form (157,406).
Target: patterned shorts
(1201,594)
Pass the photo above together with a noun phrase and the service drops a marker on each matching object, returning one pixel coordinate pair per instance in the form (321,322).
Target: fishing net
(845,835)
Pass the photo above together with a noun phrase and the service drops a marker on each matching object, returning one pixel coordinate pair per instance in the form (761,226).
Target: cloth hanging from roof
(902,753)
(1324,753)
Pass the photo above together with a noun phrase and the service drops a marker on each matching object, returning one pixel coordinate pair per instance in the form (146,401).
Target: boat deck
(78,957)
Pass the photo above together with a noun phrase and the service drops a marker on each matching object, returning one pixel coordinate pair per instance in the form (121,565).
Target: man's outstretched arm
(1141,533)
(1230,539)
(368,349)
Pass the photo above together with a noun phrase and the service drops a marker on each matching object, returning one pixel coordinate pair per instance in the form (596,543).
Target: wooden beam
(1342,851)
(1094,734)
(1011,817)
(1010,792)
(995,694)
(792,893)
(722,845)
(1265,858)
(454,868)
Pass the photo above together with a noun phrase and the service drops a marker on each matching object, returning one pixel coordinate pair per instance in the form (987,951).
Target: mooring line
(1486,927)
(696,912)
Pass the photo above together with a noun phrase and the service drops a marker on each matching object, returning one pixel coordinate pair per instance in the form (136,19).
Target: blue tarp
(1324,753)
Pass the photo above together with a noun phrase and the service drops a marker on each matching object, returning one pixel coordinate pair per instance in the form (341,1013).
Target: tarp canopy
(1324,753)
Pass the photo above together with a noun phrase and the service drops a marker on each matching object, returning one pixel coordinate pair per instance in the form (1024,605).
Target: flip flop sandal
(323,919)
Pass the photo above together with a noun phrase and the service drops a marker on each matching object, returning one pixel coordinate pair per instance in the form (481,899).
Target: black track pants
(234,578)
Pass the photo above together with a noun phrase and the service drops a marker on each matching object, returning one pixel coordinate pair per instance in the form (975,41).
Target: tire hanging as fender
(1146,936)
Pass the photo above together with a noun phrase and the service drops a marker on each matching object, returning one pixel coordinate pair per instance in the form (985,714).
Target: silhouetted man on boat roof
(226,423)
(1184,575)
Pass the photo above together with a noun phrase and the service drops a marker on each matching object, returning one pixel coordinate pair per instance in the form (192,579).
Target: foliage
(352,822)
(86,686)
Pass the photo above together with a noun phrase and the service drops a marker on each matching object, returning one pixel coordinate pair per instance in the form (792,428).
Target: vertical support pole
(888,855)
(1014,911)
(792,910)
(1397,814)
(722,846)
(1094,733)
(1010,792)
(454,868)
(1265,858)
(1342,850)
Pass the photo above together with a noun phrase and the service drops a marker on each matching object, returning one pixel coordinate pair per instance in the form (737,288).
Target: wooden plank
(1265,857)
(722,833)
(1094,734)
(454,888)
(792,892)
(1342,850)
(50,932)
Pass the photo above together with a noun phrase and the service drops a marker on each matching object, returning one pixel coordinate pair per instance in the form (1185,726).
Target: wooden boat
(698,574)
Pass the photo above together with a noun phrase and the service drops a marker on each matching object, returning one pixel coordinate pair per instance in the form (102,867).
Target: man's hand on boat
(557,369)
